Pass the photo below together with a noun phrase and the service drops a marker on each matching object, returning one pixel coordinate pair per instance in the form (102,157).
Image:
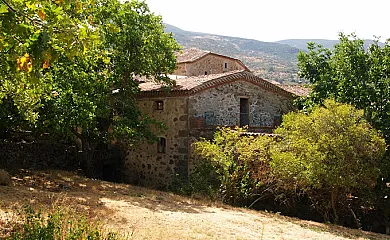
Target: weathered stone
(210,64)
(183,150)
(183,133)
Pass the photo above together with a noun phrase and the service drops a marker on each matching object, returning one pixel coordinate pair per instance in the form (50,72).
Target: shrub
(234,165)
(330,154)
(61,224)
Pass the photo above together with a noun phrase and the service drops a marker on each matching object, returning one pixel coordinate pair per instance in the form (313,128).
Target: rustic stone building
(195,62)
(194,107)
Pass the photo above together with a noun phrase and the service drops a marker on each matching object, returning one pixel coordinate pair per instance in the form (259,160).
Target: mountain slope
(276,61)
(272,61)
(302,43)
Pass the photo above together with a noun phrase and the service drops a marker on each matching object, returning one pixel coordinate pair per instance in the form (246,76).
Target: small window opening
(244,112)
(205,73)
(161,145)
(226,65)
(159,105)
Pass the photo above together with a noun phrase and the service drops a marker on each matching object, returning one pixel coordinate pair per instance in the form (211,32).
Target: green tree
(350,74)
(332,150)
(33,35)
(87,92)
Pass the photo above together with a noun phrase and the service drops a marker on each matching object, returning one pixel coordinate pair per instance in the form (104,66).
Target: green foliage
(350,74)
(240,163)
(58,225)
(33,34)
(333,149)
(203,181)
(69,68)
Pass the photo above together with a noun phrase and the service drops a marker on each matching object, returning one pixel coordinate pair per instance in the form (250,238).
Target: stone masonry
(144,164)
(209,64)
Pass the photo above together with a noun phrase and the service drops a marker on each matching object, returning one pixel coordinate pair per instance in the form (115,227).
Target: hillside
(147,214)
(302,43)
(275,61)
(272,61)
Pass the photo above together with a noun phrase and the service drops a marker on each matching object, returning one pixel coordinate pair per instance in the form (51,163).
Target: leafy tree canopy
(350,74)
(59,55)
(70,66)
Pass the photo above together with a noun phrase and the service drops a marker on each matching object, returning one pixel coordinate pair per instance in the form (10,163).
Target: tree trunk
(333,202)
(86,162)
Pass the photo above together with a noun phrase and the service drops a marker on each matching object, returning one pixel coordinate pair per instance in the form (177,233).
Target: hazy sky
(272,20)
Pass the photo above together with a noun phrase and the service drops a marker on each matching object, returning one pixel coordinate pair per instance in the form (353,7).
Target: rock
(5,179)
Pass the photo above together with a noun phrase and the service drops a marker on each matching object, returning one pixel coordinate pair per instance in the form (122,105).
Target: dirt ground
(142,213)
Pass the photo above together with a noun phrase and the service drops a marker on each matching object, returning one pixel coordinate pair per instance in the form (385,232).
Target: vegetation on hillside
(330,156)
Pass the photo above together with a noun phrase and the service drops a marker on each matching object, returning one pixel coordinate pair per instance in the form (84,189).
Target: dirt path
(190,221)
(149,214)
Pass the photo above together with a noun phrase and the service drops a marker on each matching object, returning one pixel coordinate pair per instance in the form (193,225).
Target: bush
(61,224)
(330,154)
(235,166)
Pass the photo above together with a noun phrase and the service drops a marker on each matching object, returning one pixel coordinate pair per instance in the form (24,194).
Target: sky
(273,20)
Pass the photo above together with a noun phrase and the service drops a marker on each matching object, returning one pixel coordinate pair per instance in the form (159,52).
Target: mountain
(275,61)
(270,60)
(302,43)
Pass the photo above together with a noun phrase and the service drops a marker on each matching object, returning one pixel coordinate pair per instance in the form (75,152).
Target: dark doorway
(244,112)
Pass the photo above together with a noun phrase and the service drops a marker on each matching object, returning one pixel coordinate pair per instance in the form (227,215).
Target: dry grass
(148,214)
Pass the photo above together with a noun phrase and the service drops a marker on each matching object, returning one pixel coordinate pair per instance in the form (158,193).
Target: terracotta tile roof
(191,85)
(183,83)
(190,55)
(299,90)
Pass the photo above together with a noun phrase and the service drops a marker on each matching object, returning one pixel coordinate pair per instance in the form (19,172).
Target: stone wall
(220,106)
(37,155)
(144,164)
(211,64)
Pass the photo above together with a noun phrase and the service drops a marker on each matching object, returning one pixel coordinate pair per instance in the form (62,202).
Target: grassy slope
(148,214)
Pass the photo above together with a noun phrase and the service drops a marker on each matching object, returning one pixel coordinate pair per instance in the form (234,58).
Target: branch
(9,6)
(17,12)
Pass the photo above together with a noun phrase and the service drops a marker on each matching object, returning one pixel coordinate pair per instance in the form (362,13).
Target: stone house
(194,107)
(195,62)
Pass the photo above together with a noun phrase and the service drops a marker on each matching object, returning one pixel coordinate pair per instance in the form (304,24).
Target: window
(159,105)
(161,145)
(226,65)
(205,73)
